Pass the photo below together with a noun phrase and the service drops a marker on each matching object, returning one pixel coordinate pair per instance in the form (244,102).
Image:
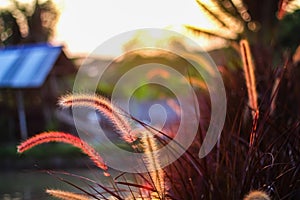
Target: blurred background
(44,42)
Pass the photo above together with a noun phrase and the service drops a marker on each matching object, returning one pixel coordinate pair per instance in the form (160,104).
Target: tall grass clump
(259,148)
(239,164)
(258,152)
(149,185)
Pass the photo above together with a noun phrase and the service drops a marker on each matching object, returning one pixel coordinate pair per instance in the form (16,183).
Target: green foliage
(153,61)
(289,27)
(47,151)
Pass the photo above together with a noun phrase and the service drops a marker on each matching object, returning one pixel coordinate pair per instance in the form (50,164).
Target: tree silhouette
(27,23)
(257,21)
(269,26)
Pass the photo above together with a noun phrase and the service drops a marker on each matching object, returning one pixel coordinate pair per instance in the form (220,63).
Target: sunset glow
(84,25)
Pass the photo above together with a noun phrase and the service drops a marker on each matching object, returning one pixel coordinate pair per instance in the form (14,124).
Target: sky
(85,24)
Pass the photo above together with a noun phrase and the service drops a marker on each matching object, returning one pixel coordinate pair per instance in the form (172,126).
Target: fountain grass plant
(259,148)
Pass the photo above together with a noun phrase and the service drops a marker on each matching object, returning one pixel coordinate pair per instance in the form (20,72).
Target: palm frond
(199,31)
(212,14)
(230,10)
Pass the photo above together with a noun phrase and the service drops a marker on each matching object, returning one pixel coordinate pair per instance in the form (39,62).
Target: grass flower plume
(103,105)
(66,195)
(257,195)
(153,164)
(249,75)
(47,137)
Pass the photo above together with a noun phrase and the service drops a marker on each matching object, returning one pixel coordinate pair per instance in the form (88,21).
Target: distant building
(32,77)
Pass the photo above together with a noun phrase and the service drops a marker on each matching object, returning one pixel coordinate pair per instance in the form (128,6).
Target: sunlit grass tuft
(64,195)
(47,137)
